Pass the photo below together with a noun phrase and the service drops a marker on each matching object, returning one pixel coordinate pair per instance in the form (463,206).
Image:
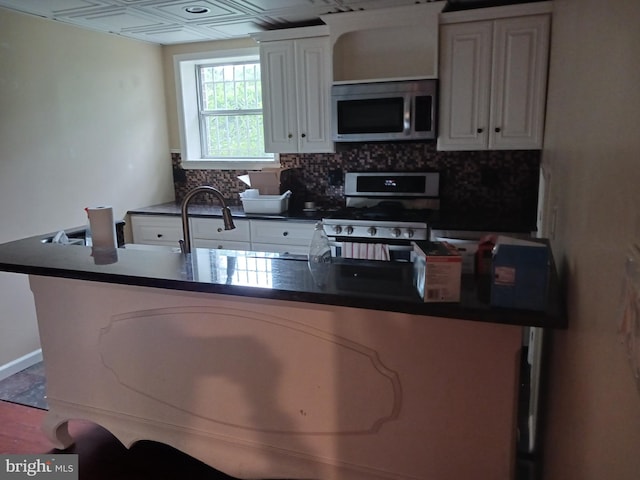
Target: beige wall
(168,53)
(82,122)
(592,150)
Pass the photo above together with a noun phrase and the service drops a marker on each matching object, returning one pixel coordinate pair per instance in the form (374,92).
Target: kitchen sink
(73,237)
(78,235)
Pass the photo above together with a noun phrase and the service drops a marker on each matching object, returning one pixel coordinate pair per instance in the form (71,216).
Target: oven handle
(336,247)
(392,246)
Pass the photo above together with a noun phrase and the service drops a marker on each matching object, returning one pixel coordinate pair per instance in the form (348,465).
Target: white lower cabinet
(260,235)
(210,233)
(220,244)
(282,237)
(281,248)
(156,229)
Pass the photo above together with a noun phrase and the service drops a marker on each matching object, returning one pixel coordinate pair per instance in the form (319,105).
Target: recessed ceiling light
(196,10)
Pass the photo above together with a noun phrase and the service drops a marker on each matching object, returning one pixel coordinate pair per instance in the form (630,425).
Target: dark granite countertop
(439,220)
(481,220)
(202,210)
(362,284)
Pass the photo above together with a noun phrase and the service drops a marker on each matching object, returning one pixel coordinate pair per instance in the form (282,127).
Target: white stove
(385,207)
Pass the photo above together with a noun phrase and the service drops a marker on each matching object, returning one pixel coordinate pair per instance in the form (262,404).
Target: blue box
(520,276)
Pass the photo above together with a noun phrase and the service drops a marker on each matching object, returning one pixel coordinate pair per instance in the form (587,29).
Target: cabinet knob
(284,234)
(159,235)
(497,129)
(290,135)
(220,229)
(303,135)
(480,130)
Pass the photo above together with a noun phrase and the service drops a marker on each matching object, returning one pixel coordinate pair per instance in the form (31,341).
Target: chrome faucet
(185,243)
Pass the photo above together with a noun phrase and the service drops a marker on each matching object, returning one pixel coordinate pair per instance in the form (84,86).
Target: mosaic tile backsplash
(500,181)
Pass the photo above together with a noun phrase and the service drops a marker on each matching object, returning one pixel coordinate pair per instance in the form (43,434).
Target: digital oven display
(391,184)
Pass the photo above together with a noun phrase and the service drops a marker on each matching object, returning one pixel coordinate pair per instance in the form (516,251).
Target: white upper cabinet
(296,87)
(493,77)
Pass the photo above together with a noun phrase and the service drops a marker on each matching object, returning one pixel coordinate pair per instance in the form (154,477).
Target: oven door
(358,248)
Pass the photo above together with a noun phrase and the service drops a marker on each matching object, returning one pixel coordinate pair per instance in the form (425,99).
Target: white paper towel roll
(103,229)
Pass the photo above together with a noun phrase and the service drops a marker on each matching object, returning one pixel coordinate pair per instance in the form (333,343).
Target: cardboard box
(520,274)
(268,180)
(437,271)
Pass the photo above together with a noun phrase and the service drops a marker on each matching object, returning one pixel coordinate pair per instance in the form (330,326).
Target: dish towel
(365,251)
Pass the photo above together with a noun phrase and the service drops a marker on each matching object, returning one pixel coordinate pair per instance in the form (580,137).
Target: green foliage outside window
(231,111)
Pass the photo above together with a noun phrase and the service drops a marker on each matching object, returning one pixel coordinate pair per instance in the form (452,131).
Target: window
(220,111)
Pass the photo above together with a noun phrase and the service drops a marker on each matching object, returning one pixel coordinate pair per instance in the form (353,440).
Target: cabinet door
(313,81)
(156,230)
(465,75)
(277,65)
(519,82)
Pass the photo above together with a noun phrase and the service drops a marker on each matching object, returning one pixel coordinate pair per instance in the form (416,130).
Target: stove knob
(409,233)
(395,232)
(372,231)
(337,229)
(349,230)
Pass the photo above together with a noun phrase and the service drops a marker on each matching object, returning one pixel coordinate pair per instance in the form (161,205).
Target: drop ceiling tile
(296,14)
(371,4)
(237,29)
(113,19)
(171,36)
(176,11)
(50,7)
(266,6)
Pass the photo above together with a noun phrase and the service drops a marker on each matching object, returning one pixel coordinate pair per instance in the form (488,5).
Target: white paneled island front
(261,388)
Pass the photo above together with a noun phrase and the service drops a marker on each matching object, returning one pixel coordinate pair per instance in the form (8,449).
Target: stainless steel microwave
(384,111)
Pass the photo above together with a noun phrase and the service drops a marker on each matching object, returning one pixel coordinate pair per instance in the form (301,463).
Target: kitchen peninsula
(240,360)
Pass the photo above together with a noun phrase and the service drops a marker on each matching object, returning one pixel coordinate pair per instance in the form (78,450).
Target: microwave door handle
(408,113)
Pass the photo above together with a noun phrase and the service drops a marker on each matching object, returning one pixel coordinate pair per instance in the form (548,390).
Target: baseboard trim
(20,364)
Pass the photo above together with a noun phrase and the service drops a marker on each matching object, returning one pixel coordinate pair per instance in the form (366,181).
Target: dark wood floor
(101,456)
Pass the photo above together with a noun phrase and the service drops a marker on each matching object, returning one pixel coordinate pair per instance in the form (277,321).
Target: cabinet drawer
(213,229)
(281,233)
(221,244)
(156,230)
(280,248)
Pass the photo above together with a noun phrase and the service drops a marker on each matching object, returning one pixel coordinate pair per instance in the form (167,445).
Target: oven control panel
(358,229)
